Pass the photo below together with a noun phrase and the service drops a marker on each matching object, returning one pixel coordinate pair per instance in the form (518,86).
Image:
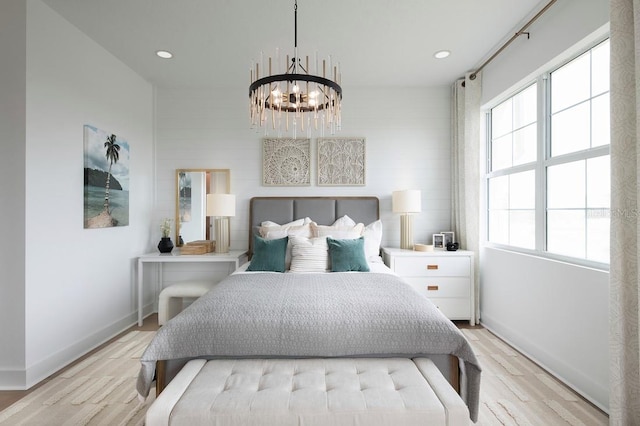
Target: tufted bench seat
(310,392)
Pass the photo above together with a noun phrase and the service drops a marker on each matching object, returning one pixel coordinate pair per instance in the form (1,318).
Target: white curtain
(465,170)
(624,320)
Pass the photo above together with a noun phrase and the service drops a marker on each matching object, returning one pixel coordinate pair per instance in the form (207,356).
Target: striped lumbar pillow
(309,254)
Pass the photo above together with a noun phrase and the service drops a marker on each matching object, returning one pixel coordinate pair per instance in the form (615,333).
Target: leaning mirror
(193,185)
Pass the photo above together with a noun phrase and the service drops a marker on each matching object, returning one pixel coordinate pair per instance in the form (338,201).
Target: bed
(363,310)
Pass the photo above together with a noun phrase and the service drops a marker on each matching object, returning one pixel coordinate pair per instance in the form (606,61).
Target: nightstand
(445,277)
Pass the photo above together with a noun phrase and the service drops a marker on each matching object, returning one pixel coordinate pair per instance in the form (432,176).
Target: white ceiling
(376,42)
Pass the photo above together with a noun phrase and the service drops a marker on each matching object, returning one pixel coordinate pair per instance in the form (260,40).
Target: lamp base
(221,227)
(406,232)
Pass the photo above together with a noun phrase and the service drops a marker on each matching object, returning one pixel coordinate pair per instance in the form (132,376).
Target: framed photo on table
(438,241)
(449,237)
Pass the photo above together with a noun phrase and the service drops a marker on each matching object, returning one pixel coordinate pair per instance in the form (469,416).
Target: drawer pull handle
(432,287)
(431,267)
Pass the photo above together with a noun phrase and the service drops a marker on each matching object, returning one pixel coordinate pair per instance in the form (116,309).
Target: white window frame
(543,161)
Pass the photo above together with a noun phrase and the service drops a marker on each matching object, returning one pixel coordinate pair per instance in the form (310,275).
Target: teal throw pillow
(347,255)
(268,255)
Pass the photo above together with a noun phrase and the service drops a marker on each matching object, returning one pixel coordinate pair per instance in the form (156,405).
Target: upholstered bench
(171,297)
(310,392)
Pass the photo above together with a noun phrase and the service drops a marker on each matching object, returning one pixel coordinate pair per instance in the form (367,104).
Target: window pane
(501,122)
(522,228)
(499,193)
(499,226)
(600,128)
(525,105)
(570,130)
(600,68)
(598,235)
(598,182)
(577,176)
(501,153)
(566,186)
(524,145)
(522,190)
(570,84)
(566,232)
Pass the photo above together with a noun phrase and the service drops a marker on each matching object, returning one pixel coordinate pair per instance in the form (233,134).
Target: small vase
(165,245)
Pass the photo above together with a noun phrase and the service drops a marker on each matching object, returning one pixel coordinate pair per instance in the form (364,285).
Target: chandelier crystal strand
(299,99)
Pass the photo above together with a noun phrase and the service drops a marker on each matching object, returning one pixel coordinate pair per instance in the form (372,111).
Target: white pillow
(337,232)
(309,254)
(372,239)
(275,232)
(273,225)
(344,221)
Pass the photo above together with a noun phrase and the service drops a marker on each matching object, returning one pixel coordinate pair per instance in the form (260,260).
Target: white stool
(170,300)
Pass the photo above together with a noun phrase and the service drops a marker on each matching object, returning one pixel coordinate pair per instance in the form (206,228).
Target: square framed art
(286,162)
(341,162)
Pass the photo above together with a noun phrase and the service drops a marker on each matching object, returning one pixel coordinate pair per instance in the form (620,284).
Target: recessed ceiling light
(441,54)
(164,54)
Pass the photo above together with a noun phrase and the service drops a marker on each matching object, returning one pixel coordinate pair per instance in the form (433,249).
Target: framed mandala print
(286,162)
(341,162)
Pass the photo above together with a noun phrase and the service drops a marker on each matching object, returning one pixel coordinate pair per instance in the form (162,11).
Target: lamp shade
(223,205)
(406,201)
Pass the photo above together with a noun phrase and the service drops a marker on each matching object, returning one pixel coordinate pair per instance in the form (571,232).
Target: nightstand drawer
(409,266)
(455,309)
(440,287)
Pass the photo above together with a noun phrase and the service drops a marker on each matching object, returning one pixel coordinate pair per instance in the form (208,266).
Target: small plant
(166,228)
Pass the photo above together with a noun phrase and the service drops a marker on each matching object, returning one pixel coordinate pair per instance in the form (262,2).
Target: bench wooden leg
(161,376)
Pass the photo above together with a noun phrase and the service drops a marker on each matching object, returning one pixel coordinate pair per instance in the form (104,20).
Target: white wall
(13,39)
(554,312)
(407,146)
(79,286)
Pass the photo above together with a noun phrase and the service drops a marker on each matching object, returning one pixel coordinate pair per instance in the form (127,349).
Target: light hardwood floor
(9,397)
(489,413)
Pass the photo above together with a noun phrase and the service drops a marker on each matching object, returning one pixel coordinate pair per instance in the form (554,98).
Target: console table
(234,258)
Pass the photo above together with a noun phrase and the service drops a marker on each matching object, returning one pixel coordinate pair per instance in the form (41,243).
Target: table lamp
(406,202)
(221,206)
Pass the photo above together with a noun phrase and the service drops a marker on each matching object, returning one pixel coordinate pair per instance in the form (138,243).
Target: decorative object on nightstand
(438,241)
(406,202)
(449,237)
(165,245)
(221,206)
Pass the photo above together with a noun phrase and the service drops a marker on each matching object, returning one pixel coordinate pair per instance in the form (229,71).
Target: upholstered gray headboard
(323,210)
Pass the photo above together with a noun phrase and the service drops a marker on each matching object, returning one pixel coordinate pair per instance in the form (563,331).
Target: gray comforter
(312,315)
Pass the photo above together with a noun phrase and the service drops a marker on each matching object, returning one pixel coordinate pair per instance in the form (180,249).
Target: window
(512,183)
(548,163)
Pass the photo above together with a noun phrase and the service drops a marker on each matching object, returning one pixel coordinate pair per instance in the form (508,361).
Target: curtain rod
(515,36)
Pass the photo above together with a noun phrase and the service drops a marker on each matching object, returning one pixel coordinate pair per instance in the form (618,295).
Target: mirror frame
(209,172)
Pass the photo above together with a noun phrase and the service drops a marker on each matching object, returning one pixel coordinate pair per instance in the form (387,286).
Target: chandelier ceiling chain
(296,99)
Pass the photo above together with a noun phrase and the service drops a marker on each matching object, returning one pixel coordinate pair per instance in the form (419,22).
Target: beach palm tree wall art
(113,155)
(106,179)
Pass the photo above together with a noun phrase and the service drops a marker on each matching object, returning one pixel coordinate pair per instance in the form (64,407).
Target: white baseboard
(24,379)
(504,332)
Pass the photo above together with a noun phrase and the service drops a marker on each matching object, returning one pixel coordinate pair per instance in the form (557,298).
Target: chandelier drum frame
(311,100)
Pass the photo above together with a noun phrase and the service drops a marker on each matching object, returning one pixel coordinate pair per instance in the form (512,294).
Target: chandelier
(296,99)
